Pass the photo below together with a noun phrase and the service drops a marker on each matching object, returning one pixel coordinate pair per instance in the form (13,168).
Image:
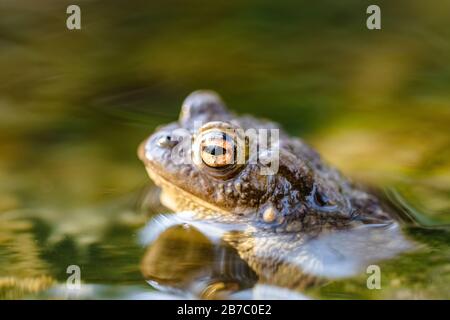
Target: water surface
(75,105)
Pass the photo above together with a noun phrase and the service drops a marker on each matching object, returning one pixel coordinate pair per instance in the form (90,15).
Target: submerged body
(304,219)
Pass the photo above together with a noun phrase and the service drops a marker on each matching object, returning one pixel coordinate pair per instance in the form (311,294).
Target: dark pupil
(214,150)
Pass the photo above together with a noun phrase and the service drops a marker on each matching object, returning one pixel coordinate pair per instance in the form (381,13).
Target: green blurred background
(74,105)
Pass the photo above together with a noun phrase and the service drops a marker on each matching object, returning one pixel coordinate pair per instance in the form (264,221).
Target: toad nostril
(166,142)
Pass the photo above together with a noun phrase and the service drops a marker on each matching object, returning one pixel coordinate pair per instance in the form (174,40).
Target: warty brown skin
(304,195)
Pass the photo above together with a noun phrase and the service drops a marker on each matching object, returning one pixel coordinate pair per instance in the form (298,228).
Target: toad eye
(220,149)
(217,149)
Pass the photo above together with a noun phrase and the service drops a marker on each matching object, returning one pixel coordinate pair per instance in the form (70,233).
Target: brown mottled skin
(305,195)
(305,198)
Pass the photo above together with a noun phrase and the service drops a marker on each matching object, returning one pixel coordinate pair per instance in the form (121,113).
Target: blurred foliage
(74,105)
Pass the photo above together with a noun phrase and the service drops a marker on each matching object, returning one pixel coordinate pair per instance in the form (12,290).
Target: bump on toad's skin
(305,194)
